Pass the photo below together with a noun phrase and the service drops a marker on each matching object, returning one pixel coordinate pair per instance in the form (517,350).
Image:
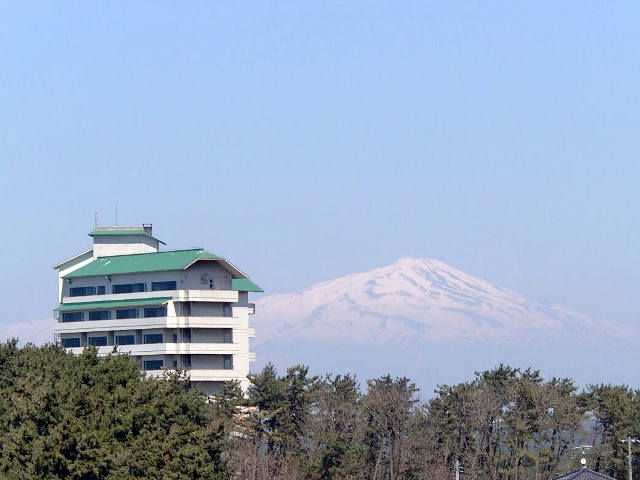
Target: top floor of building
(128,260)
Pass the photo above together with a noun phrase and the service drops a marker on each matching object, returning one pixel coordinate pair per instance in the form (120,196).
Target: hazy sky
(307,140)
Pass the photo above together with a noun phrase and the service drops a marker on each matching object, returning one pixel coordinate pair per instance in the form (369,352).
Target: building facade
(167,309)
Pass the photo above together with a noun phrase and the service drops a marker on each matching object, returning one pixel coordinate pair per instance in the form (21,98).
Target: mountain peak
(418,300)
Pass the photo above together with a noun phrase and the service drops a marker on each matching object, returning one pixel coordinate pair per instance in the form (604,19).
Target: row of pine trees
(91,417)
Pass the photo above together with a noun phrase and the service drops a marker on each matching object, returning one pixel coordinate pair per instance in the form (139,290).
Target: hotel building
(167,309)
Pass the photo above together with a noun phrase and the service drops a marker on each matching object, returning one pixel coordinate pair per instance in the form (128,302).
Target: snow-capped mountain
(420,301)
(429,321)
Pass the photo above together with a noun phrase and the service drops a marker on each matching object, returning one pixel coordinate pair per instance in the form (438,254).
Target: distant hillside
(37,332)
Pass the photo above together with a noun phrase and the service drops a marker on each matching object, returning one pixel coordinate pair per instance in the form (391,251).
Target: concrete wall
(204,275)
(122,245)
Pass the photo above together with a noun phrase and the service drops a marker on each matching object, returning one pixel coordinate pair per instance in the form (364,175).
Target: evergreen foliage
(83,417)
(89,417)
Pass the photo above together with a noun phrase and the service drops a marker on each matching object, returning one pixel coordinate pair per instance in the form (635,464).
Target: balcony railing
(230,296)
(145,323)
(148,349)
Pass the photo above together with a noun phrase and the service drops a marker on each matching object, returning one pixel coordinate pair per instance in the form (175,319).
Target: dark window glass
(157,286)
(81,291)
(101,290)
(127,313)
(228,362)
(125,340)
(100,315)
(153,338)
(152,364)
(130,288)
(70,342)
(155,312)
(98,341)
(72,316)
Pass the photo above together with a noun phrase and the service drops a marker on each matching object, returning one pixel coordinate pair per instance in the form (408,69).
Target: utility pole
(457,468)
(629,441)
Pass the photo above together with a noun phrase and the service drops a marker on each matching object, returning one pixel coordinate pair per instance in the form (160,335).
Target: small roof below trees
(584,474)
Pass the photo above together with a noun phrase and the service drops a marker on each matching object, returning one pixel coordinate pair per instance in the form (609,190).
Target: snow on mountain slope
(421,301)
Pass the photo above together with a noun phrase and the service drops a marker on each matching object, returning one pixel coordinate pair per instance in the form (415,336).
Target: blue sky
(308,140)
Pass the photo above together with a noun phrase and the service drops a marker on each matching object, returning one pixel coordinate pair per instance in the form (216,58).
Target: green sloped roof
(108,232)
(144,262)
(108,304)
(245,285)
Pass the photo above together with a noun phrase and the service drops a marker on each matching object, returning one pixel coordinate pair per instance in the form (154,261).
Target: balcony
(145,323)
(213,375)
(180,349)
(203,375)
(146,349)
(228,296)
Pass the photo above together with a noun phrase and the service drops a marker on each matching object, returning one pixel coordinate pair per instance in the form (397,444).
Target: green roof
(147,262)
(108,304)
(108,232)
(245,285)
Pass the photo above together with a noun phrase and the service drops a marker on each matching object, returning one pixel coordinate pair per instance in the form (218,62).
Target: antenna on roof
(95,219)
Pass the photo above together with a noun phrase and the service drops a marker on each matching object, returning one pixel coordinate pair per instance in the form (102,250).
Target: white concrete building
(167,309)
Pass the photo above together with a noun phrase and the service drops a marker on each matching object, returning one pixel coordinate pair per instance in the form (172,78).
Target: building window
(155,312)
(157,286)
(70,342)
(81,291)
(211,285)
(226,310)
(228,362)
(125,339)
(72,316)
(129,288)
(153,338)
(152,364)
(227,336)
(175,338)
(100,315)
(127,313)
(101,290)
(175,364)
(98,341)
